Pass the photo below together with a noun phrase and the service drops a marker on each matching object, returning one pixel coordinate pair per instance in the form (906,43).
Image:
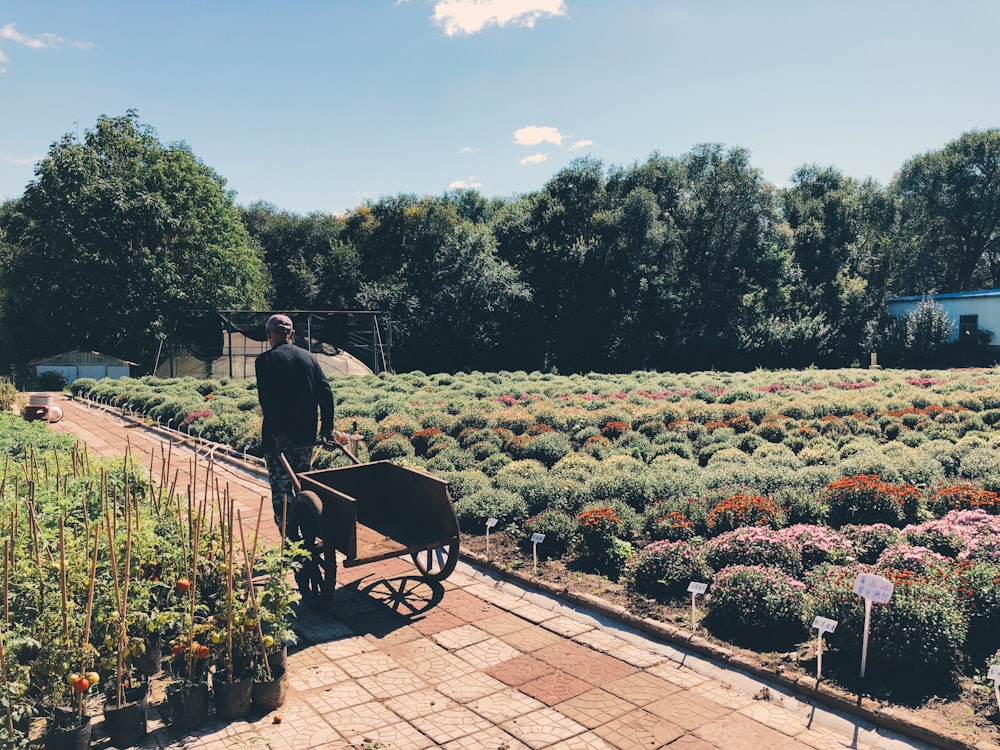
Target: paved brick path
(478,664)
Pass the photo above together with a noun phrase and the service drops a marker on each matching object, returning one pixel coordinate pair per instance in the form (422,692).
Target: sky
(322,105)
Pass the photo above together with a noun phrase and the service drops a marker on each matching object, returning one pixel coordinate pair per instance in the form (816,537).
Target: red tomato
(183,584)
(202,652)
(80,684)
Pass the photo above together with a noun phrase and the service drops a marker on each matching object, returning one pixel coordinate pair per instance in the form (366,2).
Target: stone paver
(475,662)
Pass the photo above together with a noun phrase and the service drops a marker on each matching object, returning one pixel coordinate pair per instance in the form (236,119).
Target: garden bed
(777,489)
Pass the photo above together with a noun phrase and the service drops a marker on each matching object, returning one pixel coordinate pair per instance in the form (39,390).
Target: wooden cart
(370,512)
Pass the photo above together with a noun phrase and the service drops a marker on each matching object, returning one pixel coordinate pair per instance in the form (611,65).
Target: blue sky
(320,105)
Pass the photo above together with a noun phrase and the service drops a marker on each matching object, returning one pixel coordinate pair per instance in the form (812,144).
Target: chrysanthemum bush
(921,629)
(602,545)
(963,497)
(662,570)
(559,529)
(870,540)
(866,499)
(754,545)
(977,584)
(744,510)
(757,606)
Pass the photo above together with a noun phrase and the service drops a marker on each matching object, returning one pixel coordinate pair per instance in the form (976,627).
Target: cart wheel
(317,577)
(437,563)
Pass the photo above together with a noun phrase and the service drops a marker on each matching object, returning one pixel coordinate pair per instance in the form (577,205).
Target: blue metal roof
(950,295)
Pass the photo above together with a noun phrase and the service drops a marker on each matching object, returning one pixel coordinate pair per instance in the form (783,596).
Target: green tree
(310,266)
(116,236)
(949,202)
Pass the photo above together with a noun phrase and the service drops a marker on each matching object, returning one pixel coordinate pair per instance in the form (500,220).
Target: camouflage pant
(282,489)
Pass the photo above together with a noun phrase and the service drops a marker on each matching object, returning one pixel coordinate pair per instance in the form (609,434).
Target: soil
(965,709)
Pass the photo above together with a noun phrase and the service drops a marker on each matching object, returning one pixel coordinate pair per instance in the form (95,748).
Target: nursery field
(776,488)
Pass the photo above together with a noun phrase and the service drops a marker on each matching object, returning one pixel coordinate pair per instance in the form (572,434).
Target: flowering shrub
(866,499)
(744,510)
(558,527)
(601,534)
(978,587)
(963,497)
(422,440)
(757,606)
(911,558)
(753,545)
(870,540)
(508,508)
(979,531)
(818,544)
(663,521)
(943,537)
(924,608)
(664,569)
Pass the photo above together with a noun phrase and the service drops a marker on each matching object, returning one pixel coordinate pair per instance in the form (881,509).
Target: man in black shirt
(291,387)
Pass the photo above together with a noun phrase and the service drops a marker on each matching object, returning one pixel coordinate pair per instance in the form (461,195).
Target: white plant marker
(536,539)
(994,674)
(823,625)
(695,588)
(871,588)
(490,523)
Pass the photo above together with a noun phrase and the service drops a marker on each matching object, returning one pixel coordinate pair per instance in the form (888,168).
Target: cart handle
(323,443)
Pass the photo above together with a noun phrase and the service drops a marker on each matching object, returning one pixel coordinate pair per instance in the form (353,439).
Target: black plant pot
(67,732)
(233,700)
(269,695)
(188,704)
(126,725)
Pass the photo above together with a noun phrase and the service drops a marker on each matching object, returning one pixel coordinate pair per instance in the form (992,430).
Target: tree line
(672,263)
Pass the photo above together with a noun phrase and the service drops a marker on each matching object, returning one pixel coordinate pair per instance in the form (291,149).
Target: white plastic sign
(536,539)
(994,674)
(490,523)
(873,587)
(824,624)
(695,587)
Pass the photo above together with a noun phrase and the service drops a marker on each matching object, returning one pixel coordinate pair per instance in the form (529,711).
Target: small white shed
(78,364)
(971,312)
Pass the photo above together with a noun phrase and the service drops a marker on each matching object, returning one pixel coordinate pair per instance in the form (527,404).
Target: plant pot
(278,660)
(188,704)
(269,695)
(65,732)
(126,726)
(148,662)
(233,700)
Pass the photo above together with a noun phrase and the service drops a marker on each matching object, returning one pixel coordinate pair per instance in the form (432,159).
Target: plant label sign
(994,674)
(490,523)
(871,588)
(824,624)
(695,587)
(536,539)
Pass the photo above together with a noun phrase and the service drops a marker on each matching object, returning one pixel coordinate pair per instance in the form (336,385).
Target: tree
(949,202)
(310,265)
(115,237)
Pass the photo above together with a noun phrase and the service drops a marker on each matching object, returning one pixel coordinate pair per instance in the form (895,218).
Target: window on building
(968,328)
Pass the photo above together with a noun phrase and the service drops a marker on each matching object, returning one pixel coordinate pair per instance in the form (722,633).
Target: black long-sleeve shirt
(291,386)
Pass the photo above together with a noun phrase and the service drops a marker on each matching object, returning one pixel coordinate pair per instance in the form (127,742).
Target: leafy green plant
(662,570)
(757,606)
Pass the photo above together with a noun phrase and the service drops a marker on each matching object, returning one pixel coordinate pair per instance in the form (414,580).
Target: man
(290,387)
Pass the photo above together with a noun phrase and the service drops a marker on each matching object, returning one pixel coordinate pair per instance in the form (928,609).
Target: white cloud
(467,150)
(40,41)
(469,184)
(21,160)
(581,144)
(534,158)
(532,135)
(470,16)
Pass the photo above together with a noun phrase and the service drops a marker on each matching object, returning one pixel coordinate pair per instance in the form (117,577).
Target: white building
(971,312)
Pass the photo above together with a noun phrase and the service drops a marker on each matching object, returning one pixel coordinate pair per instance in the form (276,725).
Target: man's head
(279,329)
